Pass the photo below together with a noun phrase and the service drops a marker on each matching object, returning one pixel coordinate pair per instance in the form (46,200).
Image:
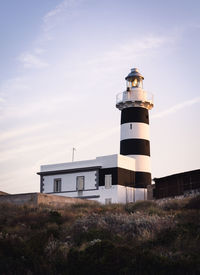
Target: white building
(116,178)
(107,179)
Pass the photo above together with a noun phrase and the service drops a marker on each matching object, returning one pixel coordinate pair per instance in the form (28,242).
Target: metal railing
(132,95)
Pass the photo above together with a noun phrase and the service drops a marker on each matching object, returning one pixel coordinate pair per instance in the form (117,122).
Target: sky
(64,61)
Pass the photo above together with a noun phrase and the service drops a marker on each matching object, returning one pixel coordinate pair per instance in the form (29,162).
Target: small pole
(73,149)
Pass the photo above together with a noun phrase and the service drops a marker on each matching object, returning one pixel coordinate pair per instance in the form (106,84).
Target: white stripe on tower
(142,163)
(134,130)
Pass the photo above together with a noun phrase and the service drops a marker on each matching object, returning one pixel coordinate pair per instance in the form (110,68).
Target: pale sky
(62,64)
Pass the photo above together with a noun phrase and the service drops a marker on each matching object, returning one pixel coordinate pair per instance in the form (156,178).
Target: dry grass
(47,240)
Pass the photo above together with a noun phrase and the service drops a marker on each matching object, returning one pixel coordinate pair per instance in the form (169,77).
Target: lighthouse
(134,104)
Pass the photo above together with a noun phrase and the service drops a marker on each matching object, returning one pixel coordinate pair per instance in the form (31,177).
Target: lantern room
(134,79)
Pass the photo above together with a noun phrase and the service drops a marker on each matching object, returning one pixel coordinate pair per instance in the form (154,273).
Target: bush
(174,204)
(193,203)
(137,238)
(101,258)
(143,206)
(55,217)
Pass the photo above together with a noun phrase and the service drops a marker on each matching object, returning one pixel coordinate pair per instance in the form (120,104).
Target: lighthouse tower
(134,104)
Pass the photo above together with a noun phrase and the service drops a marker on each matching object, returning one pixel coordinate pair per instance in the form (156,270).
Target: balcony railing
(134,96)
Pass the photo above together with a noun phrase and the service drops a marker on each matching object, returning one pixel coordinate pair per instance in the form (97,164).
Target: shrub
(128,227)
(137,238)
(55,217)
(100,258)
(173,204)
(143,206)
(193,203)
(80,205)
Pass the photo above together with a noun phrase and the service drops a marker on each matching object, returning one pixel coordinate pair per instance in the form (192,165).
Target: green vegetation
(137,238)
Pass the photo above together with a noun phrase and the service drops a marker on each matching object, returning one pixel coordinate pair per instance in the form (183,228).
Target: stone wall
(36,199)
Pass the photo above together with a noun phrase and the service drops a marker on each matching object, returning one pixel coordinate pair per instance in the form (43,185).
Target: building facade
(106,179)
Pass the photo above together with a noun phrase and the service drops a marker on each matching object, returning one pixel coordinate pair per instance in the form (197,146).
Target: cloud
(35,108)
(99,136)
(32,61)
(51,21)
(176,108)
(58,14)
(16,84)
(55,12)
(39,50)
(18,132)
(131,50)
(32,146)
(2,99)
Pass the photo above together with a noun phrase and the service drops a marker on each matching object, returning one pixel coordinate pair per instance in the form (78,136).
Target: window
(80,182)
(57,185)
(108,201)
(108,181)
(135,83)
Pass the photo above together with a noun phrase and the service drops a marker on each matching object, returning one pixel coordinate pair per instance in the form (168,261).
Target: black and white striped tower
(135,104)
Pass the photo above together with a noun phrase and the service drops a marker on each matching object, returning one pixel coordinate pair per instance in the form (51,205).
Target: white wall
(103,194)
(102,161)
(69,181)
(121,194)
(117,194)
(105,161)
(126,162)
(69,165)
(84,194)
(108,161)
(130,193)
(108,193)
(140,194)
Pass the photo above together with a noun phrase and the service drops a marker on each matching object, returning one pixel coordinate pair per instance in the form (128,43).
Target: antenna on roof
(73,149)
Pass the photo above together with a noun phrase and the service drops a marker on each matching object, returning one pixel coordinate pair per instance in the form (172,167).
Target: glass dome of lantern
(134,79)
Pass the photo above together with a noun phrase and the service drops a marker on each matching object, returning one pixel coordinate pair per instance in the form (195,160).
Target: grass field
(136,238)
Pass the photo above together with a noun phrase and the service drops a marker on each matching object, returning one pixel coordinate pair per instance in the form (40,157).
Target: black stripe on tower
(135,147)
(120,176)
(142,179)
(135,114)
